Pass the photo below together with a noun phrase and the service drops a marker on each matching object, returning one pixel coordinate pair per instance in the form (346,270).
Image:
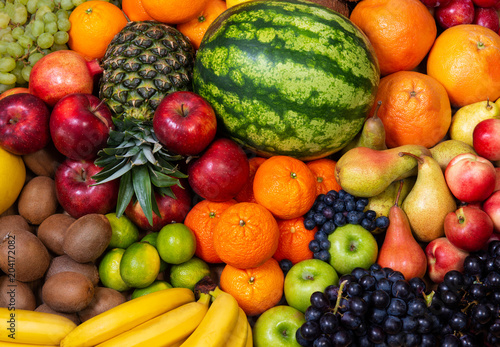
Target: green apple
(352,246)
(305,278)
(277,326)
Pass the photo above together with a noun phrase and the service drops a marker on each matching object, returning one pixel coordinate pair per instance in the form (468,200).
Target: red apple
(487,17)
(61,73)
(77,194)
(442,257)
(468,228)
(497,181)
(171,210)
(221,171)
(486,139)
(493,237)
(79,125)
(435,3)
(456,12)
(15,90)
(471,178)
(185,123)
(24,123)
(492,208)
(486,3)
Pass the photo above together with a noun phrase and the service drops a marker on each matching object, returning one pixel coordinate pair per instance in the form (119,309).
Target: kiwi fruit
(71,316)
(52,231)
(23,255)
(66,263)
(68,291)
(16,294)
(45,161)
(13,221)
(87,237)
(38,199)
(104,299)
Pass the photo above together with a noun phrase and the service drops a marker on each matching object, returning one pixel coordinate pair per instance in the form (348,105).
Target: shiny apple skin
(24,123)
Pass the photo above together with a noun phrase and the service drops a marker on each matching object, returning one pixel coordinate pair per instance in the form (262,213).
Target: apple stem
(339,296)
(184,113)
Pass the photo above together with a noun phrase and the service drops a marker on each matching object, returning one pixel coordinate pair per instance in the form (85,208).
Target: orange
(246,235)
(246,193)
(324,171)
(415,109)
(256,290)
(285,186)
(15,90)
(401,31)
(135,10)
(202,219)
(93,26)
(195,28)
(466,60)
(294,240)
(174,11)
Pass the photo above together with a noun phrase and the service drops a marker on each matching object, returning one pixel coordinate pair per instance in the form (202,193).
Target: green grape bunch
(30,29)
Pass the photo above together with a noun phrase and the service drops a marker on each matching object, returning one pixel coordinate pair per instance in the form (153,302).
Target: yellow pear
(467,117)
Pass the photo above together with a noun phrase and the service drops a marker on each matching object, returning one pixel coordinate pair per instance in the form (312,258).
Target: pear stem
(419,159)
(399,192)
(375,114)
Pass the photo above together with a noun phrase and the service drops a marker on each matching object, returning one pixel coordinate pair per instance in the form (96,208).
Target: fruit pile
(199,173)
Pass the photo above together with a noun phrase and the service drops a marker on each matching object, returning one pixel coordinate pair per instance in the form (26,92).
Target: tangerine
(294,240)
(324,171)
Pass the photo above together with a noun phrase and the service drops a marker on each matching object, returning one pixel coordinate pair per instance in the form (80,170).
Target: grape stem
(339,296)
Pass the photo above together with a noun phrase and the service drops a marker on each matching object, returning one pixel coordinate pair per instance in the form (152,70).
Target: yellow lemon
(231,3)
(12,178)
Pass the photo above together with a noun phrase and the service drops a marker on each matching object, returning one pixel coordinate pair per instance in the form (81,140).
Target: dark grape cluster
(335,209)
(468,303)
(370,307)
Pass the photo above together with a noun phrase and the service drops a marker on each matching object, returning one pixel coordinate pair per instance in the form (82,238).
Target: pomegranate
(61,73)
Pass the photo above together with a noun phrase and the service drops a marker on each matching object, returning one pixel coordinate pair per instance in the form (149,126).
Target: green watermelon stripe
(287,77)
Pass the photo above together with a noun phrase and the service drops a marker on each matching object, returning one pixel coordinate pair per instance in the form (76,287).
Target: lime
(151,238)
(109,270)
(153,287)
(140,265)
(187,274)
(124,231)
(176,243)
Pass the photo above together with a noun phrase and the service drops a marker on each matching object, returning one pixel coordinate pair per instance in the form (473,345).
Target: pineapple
(144,62)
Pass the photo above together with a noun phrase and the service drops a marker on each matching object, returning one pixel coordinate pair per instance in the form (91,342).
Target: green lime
(124,231)
(187,274)
(153,287)
(176,243)
(151,238)
(140,265)
(109,270)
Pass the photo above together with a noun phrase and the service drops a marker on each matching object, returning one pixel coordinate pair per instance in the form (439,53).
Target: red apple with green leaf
(184,123)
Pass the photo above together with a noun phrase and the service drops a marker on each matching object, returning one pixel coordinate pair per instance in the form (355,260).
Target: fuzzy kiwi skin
(71,316)
(104,299)
(38,199)
(87,237)
(45,161)
(16,294)
(66,263)
(67,292)
(13,221)
(29,258)
(52,231)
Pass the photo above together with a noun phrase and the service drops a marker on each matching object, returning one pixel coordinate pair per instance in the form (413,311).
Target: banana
(218,323)
(25,326)
(126,316)
(249,336)
(15,344)
(166,329)
(238,337)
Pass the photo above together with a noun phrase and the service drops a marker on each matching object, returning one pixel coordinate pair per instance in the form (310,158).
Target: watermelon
(287,77)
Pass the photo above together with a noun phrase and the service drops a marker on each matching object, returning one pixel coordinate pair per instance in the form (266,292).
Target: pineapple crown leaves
(136,157)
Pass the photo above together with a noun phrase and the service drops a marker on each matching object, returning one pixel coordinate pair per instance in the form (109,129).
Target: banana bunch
(198,323)
(27,328)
